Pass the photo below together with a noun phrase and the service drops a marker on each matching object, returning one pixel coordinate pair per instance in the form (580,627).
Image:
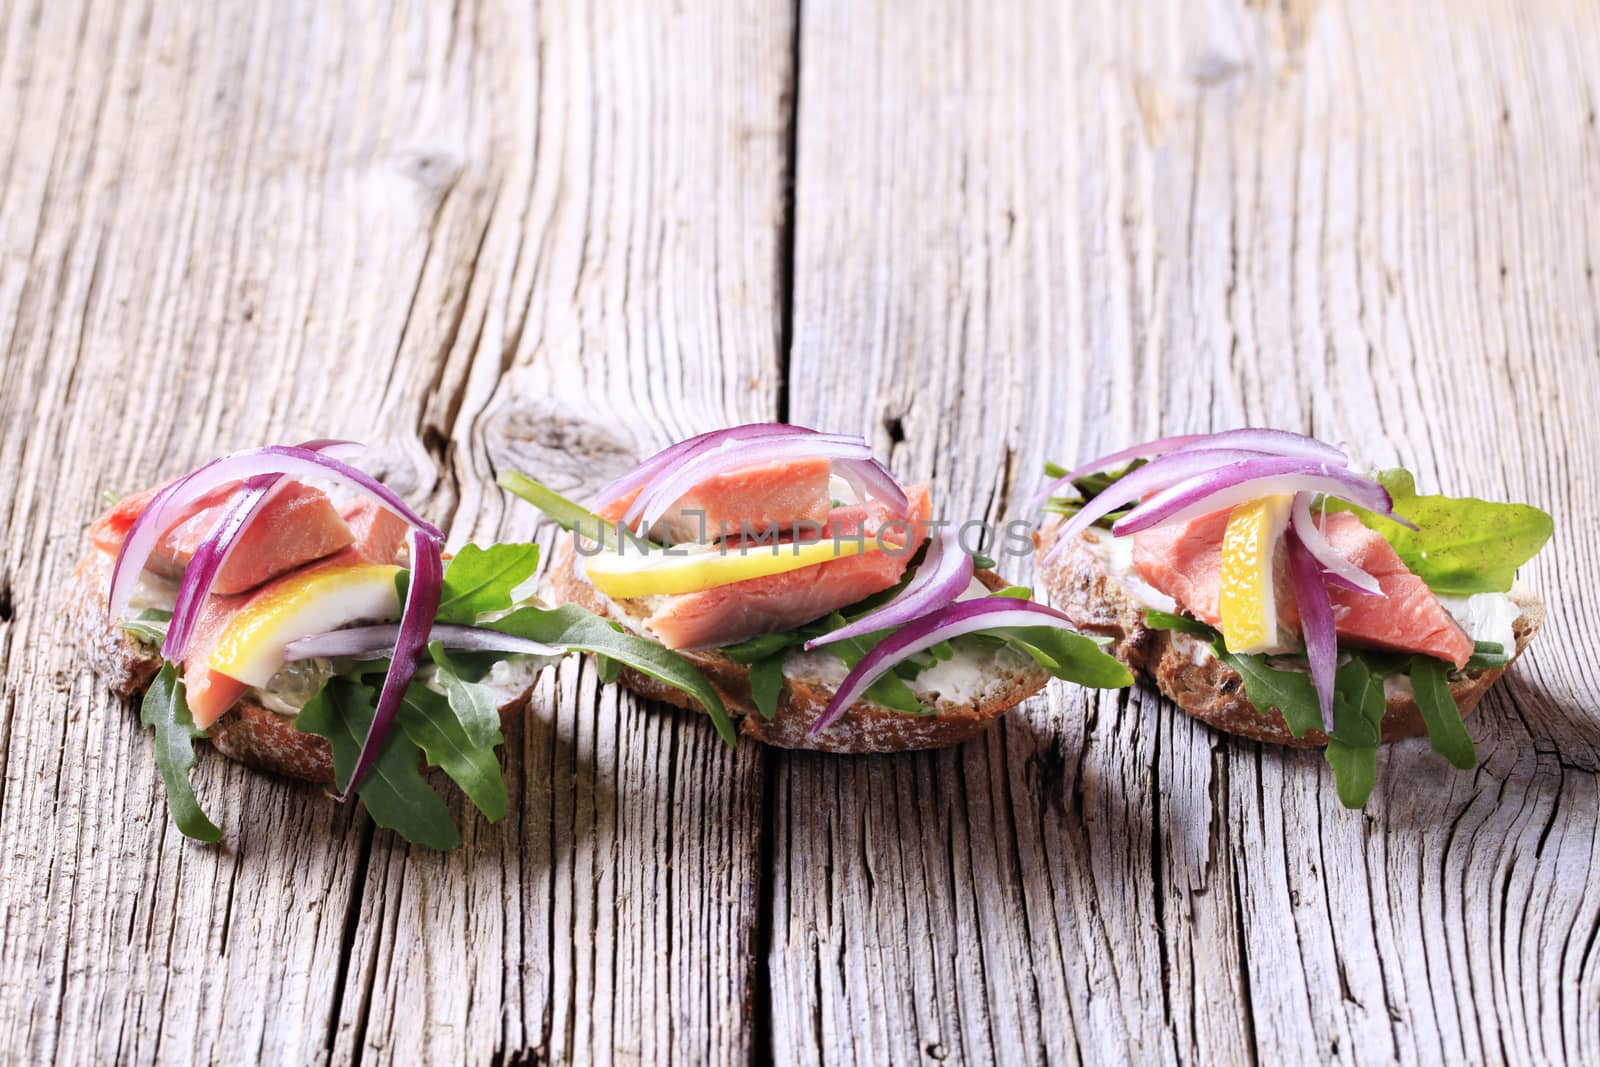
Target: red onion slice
(362,642)
(962,617)
(201,573)
(1273,443)
(870,478)
(416,621)
(167,506)
(1265,441)
(1340,570)
(1316,623)
(684,450)
(1153,477)
(944,574)
(654,501)
(1234,483)
(212,556)
(1148,450)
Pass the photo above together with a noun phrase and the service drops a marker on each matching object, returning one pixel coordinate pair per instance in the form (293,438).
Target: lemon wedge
(323,598)
(674,571)
(1248,601)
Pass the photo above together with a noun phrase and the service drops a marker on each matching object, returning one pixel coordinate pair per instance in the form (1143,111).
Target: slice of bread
(249,733)
(1183,667)
(1003,678)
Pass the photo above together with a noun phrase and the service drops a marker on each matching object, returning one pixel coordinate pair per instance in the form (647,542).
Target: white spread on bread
(1115,555)
(1485,617)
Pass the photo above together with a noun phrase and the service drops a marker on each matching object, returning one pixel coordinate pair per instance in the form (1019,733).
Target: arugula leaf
(473,703)
(1487,656)
(569,626)
(1358,705)
(433,725)
(1088,487)
(1430,684)
(1165,620)
(1068,655)
(1265,687)
(766,684)
(149,626)
(606,669)
(762,646)
(1015,592)
(396,795)
(1463,544)
(166,710)
(1352,752)
(558,509)
(479,580)
(1355,772)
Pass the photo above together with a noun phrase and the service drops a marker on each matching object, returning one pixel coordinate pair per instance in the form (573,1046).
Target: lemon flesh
(1248,601)
(325,598)
(666,573)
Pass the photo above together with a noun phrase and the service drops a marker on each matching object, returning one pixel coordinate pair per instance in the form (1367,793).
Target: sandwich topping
(285,577)
(1325,589)
(787,549)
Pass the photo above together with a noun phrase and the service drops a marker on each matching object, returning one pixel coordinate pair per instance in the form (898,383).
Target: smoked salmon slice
(296,525)
(1184,562)
(377,537)
(730,613)
(755,499)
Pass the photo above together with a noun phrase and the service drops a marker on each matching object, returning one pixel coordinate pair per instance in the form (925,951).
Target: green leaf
(762,647)
(432,724)
(1358,705)
(1430,683)
(1487,656)
(473,703)
(1355,771)
(479,580)
(166,710)
(1068,655)
(558,509)
(607,669)
(396,795)
(1164,620)
(1463,545)
(571,627)
(1266,688)
(1015,592)
(1352,752)
(766,684)
(149,626)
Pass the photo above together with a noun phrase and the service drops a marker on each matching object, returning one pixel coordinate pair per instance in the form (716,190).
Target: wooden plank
(1027,231)
(478,235)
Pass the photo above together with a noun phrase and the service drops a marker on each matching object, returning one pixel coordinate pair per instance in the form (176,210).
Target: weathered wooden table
(552,235)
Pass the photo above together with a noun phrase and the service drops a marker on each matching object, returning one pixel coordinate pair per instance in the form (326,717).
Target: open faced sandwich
(294,611)
(1273,592)
(826,605)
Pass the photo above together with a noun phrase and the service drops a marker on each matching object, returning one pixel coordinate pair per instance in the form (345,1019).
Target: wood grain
(475,235)
(1031,232)
(487,234)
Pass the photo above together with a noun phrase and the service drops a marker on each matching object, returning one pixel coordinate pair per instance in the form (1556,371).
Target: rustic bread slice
(249,733)
(1007,678)
(1199,683)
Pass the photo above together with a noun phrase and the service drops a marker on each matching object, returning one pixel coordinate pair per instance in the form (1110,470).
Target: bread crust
(863,728)
(248,733)
(1201,684)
